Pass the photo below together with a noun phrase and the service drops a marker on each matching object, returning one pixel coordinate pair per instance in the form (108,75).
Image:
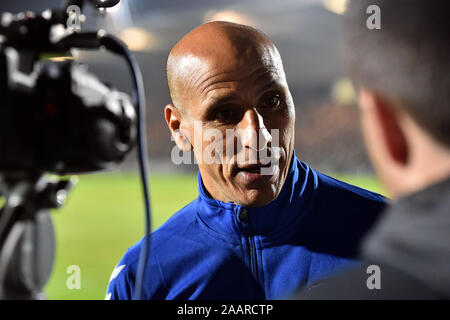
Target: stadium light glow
(336,6)
(138,39)
(343,92)
(227,15)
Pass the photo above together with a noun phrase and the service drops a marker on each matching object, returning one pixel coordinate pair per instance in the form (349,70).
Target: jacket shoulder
(340,215)
(346,190)
(121,282)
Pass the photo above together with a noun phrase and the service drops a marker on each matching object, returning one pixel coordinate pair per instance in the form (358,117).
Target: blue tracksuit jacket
(216,250)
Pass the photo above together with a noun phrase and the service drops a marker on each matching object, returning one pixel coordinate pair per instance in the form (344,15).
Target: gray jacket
(410,249)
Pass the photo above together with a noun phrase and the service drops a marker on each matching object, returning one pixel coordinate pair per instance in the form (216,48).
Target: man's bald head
(229,95)
(219,45)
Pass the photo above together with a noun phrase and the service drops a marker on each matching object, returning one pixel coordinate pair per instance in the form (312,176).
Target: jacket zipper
(243,218)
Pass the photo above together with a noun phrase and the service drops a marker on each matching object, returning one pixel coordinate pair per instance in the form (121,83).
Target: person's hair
(407,60)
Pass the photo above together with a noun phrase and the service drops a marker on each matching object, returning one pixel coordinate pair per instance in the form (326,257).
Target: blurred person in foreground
(403,74)
(258,230)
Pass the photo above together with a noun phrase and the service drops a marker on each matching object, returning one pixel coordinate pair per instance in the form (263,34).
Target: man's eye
(271,102)
(224,115)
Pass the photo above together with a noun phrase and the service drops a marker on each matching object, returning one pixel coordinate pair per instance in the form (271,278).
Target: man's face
(237,111)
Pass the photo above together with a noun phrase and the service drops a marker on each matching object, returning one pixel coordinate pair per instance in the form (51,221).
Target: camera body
(57,117)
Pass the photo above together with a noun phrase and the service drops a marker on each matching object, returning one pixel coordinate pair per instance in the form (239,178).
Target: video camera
(55,117)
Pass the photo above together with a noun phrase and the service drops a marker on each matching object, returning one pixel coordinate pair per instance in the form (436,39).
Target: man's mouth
(252,168)
(253,173)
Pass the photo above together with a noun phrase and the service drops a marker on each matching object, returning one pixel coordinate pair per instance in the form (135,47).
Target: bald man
(264,223)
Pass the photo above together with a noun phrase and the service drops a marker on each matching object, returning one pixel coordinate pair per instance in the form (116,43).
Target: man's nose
(254,132)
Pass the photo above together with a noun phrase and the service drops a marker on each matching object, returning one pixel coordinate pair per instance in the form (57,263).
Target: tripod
(27,240)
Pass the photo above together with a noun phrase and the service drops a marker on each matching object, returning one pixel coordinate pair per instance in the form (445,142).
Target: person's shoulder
(163,239)
(175,228)
(342,201)
(177,222)
(347,190)
(120,286)
(342,212)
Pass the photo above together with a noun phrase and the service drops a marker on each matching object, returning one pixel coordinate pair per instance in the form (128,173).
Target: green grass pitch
(104,216)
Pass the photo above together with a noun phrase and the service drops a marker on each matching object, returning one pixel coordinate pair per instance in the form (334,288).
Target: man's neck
(430,170)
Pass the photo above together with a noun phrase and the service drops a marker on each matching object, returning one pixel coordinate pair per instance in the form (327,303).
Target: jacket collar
(271,220)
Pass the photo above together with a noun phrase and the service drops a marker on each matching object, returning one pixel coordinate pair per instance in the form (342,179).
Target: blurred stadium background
(104,213)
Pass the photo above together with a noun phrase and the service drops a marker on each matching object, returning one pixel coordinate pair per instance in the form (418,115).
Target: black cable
(91,40)
(116,45)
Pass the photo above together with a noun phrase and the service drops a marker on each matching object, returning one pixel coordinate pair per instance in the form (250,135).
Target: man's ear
(173,119)
(387,117)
